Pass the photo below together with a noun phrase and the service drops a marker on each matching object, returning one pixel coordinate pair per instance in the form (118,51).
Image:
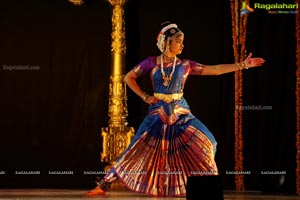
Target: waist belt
(168,97)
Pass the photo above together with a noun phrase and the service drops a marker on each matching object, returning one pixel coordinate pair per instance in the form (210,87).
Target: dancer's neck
(168,57)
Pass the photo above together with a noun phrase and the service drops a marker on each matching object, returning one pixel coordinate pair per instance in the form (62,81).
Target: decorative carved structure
(77,2)
(117,136)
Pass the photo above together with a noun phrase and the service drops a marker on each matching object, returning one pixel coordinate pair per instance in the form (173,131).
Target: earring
(167,48)
(168,44)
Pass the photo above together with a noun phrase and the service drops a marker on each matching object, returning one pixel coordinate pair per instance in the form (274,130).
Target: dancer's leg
(103,184)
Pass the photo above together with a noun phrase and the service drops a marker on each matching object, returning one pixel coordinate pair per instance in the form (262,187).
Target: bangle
(145,97)
(239,66)
(242,65)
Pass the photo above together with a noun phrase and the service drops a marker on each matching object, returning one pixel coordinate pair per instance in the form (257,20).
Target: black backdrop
(50,118)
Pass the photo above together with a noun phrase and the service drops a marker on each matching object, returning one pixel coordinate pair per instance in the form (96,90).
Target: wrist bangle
(239,66)
(242,65)
(145,97)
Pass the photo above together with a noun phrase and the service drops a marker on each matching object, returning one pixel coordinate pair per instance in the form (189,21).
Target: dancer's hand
(151,100)
(253,62)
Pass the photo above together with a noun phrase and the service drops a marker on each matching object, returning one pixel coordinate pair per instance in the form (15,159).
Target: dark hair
(170,32)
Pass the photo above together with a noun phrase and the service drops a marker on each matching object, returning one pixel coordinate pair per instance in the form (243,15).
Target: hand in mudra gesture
(253,62)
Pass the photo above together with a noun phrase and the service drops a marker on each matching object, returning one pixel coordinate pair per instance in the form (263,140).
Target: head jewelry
(167,33)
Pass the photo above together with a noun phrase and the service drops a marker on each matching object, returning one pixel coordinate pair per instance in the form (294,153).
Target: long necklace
(165,77)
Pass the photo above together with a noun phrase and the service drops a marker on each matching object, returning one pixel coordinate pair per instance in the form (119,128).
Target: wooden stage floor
(68,194)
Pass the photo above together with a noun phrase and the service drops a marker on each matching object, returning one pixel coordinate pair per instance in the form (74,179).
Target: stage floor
(64,194)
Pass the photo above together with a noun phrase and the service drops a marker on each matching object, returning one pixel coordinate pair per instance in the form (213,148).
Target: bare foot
(96,191)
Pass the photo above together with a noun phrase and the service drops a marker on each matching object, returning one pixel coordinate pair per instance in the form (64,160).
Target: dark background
(51,118)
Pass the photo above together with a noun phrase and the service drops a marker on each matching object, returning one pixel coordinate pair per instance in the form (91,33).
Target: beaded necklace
(165,77)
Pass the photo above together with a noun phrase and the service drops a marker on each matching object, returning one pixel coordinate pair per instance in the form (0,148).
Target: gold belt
(168,97)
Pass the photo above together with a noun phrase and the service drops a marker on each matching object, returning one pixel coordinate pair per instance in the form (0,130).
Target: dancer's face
(176,45)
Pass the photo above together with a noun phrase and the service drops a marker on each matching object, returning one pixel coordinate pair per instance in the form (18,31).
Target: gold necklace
(166,78)
(167,59)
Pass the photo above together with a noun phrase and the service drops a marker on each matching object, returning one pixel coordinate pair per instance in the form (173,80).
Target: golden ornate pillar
(117,136)
(77,2)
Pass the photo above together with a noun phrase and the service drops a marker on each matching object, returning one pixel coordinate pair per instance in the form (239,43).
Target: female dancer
(171,144)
